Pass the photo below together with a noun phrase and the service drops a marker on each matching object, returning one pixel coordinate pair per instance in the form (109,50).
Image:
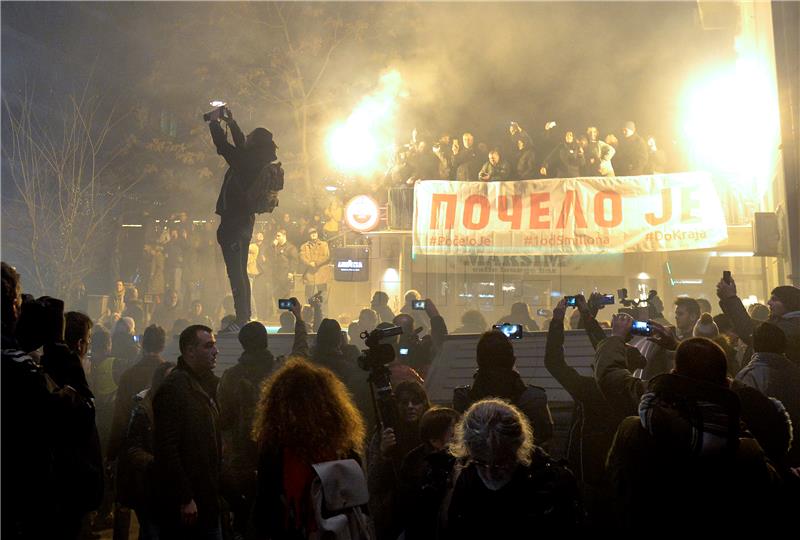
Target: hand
(543,171)
(560,310)
(621,325)
(594,303)
(296,309)
(189,513)
(289,276)
(430,308)
(580,303)
(726,290)
(388,441)
(662,336)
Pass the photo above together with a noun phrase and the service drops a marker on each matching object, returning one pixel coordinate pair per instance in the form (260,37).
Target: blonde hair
(491,425)
(306,408)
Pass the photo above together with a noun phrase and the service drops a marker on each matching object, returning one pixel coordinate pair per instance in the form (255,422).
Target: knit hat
(789,297)
(253,336)
(705,327)
(768,337)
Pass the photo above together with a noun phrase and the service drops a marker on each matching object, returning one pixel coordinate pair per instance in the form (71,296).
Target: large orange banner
(663,212)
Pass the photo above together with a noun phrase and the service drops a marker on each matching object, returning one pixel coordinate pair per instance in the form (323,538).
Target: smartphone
(726,276)
(606,299)
(403,351)
(641,328)
(285,303)
(137,339)
(541,312)
(418,304)
(571,302)
(512,331)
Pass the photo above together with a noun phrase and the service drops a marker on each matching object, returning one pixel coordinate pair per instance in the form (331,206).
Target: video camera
(649,308)
(374,360)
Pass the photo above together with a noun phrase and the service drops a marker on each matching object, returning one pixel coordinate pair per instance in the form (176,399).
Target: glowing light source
(362,144)
(731,253)
(361,213)
(643,275)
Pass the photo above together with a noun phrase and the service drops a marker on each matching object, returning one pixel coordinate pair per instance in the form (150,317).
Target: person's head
(313,235)
(198,348)
(12,298)
(495,351)
(705,305)
(705,327)
(687,311)
(172,297)
(287,319)
(406,322)
(520,312)
(513,128)
(494,156)
(725,326)
(612,140)
(628,129)
(411,400)
(101,341)
(77,332)
(119,287)
(410,296)
(259,238)
(154,339)
(783,300)
(280,236)
(467,139)
(131,294)
(474,321)
(159,374)
(701,359)
(253,337)
(592,133)
(769,338)
(125,326)
(497,438)
(287,218)
(651,143)
(758,312)
(260,140)
(437,426)
(329,335)
(325,428)
(367,319)
(197,308)
(569,137)
(379,299)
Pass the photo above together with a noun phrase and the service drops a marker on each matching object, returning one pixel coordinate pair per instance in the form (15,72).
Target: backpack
(338,496)
(262,194)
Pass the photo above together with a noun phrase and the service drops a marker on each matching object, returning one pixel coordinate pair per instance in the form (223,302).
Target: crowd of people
(557,153)
(694,420)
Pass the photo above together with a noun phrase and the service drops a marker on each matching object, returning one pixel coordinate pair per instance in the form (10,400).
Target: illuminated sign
(361,214)
(350,263)
(350,266)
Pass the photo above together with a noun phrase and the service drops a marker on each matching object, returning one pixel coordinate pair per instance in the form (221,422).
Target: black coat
(631,157)
(187,445)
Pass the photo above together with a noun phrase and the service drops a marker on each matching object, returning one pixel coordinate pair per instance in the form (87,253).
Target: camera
(726,276)
(511,331)
(418,304)
(316,299)
(641,328)
(220,107)
(374,360)
(604,300)
(285,303)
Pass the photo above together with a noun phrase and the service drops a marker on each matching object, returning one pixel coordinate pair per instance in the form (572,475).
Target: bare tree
(65,189)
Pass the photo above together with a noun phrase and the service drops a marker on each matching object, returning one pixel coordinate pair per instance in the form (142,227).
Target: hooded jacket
(744,326)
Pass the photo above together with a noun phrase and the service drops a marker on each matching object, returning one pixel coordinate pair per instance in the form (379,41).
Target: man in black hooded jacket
(246,158)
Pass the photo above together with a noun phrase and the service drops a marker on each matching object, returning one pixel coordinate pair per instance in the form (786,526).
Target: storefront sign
(645,214)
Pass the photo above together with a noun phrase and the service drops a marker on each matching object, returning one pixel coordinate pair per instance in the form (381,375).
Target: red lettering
(600,209)
(538,212)
(449,200)
(666,204)
(469,206)
(571,199)
(515,215)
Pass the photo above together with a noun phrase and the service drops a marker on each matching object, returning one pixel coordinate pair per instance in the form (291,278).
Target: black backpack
(263,192)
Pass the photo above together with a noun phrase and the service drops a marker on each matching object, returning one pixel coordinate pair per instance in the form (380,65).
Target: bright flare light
(731,124)
(362,144)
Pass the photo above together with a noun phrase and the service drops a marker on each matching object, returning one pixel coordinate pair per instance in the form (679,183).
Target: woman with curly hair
(304,416)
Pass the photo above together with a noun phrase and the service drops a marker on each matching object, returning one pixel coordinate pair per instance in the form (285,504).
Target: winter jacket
(507,384)
(187,444)
(135,482)
(526,165)
(621,389)
(744,326)
(632,155)
(319,254)
(423,482)
(565,160)
(685,452)
(777,377)
(495,173)
(597,159)
(467,165)
(540,498)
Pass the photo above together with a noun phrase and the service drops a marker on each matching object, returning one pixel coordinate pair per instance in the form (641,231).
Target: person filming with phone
(250,186)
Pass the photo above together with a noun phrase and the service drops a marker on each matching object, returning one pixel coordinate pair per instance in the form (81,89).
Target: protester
(315,256)
(472,322)
(508,485)
(420,352)
(497,378)
(187,444)
(380,304)
(293,433)
(520,314)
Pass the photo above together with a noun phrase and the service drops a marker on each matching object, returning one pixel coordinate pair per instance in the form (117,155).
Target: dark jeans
(233,236)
